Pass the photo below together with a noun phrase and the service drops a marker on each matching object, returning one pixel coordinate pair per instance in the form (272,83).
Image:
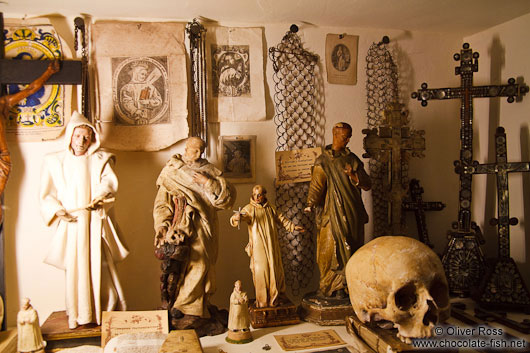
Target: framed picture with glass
(238,158)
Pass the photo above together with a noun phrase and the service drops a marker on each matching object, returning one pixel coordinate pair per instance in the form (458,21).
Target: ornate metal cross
(503,287)
(419,207)
(395,143)
(463,259)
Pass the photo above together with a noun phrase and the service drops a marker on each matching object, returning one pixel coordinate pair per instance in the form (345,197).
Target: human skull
(398,282)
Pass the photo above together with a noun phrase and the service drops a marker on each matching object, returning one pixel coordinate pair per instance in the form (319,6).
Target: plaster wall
(420,56)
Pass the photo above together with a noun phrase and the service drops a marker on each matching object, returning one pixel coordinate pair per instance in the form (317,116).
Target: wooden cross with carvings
(24,72)
(463,260)
(419,207)
(503,286)
(393,146)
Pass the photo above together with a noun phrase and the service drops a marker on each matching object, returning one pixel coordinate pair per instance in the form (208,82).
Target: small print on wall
(231,70)
(237,154)
(341,58)
(235,62)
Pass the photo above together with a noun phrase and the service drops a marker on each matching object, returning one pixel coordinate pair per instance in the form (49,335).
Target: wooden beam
(25,71)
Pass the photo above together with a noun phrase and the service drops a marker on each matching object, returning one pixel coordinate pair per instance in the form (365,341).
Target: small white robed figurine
(238,318)
(29,334)
(77,190)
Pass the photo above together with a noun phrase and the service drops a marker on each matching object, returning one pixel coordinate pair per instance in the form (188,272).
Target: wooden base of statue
(58,336)
(8,341)
(503,287)
(383,340)
(283,314)
(238,337)
(216,324)
(325,311)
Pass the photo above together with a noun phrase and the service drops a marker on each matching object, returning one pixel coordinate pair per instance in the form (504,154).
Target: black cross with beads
(463,259)
(503,286)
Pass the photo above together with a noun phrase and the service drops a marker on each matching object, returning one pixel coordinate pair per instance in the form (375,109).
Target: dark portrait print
(230,70)
(237,157)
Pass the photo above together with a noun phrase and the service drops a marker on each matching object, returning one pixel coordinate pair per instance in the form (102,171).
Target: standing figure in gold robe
(336,182)
(263,246)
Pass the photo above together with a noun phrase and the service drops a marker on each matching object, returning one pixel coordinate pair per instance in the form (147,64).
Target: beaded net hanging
(298,122)
(381,90)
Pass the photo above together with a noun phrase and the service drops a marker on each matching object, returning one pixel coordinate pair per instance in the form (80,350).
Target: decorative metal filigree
(80,32)
(298,122)
(198,117)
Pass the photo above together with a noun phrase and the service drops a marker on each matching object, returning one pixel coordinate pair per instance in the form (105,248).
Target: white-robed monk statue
(78,186)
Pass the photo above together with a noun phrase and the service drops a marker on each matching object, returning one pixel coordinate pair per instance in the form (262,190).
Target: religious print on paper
(230,70)
(41,115)
(140,90)
(141,84)
(235,74)
(341,58)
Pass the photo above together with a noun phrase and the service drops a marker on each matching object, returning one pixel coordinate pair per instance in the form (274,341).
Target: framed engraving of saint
(237,155)
(140,90)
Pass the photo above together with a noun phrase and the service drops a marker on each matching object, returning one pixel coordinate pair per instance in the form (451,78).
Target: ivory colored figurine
(6,103)
(263,246)
(336,182)
(190,192)
(29,334)
(77,190)
(238,318)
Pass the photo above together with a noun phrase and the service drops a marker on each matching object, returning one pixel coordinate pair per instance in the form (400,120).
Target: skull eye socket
(439,292)
(406,297)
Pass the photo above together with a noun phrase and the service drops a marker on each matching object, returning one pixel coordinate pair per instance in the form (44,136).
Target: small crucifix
(419,207)
(463,260)
(393,146)
(503,286)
